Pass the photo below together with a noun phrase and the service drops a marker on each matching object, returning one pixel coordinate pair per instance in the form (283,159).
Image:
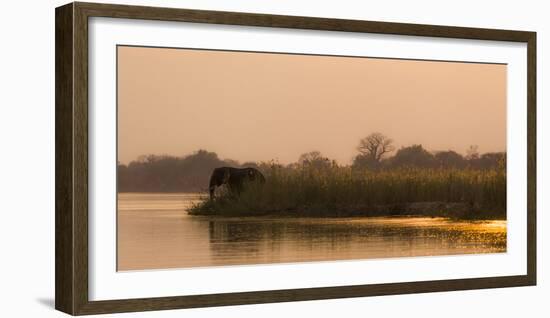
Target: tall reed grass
(344,191)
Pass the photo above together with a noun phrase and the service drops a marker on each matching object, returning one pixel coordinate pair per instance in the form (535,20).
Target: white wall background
(27,158)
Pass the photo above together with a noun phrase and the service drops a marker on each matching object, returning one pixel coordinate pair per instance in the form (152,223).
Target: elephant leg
(211,190)
(215,181)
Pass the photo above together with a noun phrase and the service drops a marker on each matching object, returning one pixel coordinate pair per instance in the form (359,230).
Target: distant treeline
(191,173)
(154,173)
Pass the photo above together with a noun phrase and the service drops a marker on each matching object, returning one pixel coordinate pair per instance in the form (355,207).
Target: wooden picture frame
(71,124)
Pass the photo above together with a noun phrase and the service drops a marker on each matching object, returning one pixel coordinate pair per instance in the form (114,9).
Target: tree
(413,156)
(314,159)
(449,159)
(490,160)
(361,161)
(154,173)
(472,153)
(374,147)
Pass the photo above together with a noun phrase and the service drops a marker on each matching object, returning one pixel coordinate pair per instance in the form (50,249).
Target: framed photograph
(211,158)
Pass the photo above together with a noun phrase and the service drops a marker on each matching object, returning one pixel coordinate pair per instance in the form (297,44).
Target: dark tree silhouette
(488,161)
(375,146)
(472,153)
(414,156)
(449,159)
(314,159)
(153,173)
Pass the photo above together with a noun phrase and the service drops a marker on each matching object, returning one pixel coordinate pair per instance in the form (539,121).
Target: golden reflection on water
(154,232)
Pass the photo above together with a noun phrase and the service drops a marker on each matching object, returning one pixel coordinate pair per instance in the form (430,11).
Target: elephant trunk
(213,183)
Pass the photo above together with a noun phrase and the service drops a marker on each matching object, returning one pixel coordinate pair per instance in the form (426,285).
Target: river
(155,232)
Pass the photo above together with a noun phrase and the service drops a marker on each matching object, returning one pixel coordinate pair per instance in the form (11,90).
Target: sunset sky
(263,106)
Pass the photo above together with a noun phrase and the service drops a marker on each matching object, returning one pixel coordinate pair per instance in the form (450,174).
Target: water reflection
(287,240)
(155,232)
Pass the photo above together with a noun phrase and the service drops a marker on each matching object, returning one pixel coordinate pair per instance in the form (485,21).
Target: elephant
(234,178)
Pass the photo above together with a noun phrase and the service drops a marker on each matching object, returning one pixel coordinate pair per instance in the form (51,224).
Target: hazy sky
(262,106)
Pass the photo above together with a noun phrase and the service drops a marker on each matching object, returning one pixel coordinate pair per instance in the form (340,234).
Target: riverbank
(453,210)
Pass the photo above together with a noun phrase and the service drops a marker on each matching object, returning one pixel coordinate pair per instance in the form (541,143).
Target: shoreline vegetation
(380,181)
(342,192)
